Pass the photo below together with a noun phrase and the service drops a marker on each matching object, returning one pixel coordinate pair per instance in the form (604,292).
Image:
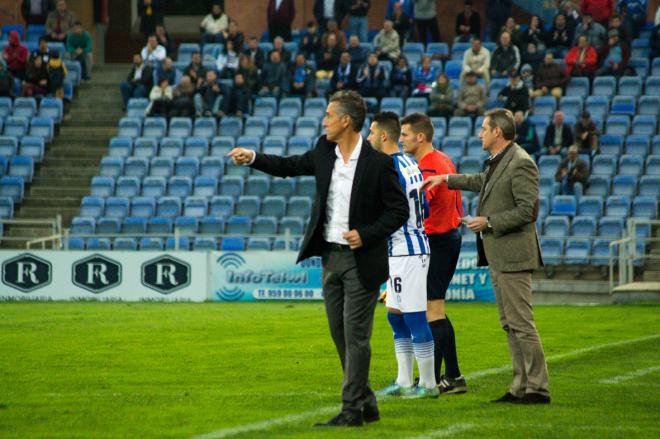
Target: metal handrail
(627,252)
(54,223)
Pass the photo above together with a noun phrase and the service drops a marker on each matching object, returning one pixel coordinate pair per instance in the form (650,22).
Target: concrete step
(94,154)
(68,162)
(51,191)
(62,173)
(44,181)
(55,202)
(18,231)
(48,212)
(651,276)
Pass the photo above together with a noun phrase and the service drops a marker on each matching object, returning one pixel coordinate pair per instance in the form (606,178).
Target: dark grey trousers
(350,310)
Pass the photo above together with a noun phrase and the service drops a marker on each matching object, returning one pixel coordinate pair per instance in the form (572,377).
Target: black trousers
(276,29)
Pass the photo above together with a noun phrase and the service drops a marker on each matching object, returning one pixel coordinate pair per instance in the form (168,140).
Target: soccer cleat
(420,392)
(394,390)
(449,386)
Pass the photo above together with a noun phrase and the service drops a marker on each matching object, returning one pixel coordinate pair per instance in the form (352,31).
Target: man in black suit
(325,10)
(558,136)
(359,203)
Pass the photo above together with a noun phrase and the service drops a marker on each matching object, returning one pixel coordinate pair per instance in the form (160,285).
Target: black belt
(337,247)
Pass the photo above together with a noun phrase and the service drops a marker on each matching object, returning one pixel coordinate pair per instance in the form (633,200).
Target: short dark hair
(388,121)
(503,119)
(419,123)
(351,104)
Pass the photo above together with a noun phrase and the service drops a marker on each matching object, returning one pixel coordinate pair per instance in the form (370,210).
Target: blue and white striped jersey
(410,239)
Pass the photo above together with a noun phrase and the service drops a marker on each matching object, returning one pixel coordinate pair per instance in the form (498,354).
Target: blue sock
(403,349)
(423,346)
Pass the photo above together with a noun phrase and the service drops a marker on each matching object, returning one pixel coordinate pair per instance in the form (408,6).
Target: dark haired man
(507,242)
(359,203)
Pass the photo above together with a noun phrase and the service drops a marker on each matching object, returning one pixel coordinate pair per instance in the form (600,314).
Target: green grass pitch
(152,370)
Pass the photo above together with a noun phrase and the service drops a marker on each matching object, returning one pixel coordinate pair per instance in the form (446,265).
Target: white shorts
(406,287)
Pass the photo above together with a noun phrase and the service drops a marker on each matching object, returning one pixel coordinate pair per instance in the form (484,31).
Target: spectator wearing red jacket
(600,10)
(582,60)
(15,55)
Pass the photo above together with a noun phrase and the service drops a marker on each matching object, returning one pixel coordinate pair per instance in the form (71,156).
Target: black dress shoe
(508,397)
(533,398)
(370,414)
(343,419)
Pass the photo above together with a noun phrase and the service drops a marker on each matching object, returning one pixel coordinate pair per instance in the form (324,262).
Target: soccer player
(408,252)
(445,242)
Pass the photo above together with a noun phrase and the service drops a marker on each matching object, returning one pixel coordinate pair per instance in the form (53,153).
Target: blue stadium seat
(548,186)
(610,227)
(238,225)
(205,186)
(15,126)
(32,147)
(256,126)
(108,225)
(221,145)
(437,49)
(637,144)
(307,126)
(91,206)
(233,244)
(154,127)
(179,186)
(653,165)
(652,85)
(168,206)
(292,244)
(154,186)
(259,244)
(186,50)
(212,225)
(299,145)
(248,205)
(281,126)
(600,252)
(98,244)
(265,107)
(604,86)
(315,107)
(571,105)
(195,206)
(564,205)
(552,249)
(641,66)
(186,166)
(187,225)
(392,104)
(125,244)
(136,107)
(299,206)
(21,166)
(645,206)
(273,205)
(413,52)
(160,225)
(221,206)
(630,165)
(132,225)
(649,105)
(599,185)
(230,126)
(624,105)
(143,207)
(205,127)
(136,167)
(285,187)
(604,164)
(6,207)
(577,87)
(649,185)
(212,167)
(5,106)
(82,226)
(203,243)
(611,144)
(264,225)
(257,185)
(630,86)
(275,145)
(644,125)
(416,105)
(578,251)
(197,147)
(460,127)
(453,146)
(231,185)
(128,186)
(548,165)
(617,206)
(470,165)
(51,107)
(161,167)
(290,107)
(591,205)
(439,125)
(306,186)
(116,207)
(42,127)
(145,147)
(251,142)
(640,48)
(617,124)
(291,225)
(556,226)
(584,226)
(597,105)
(8,146)
(545,105)
(120,147)
(152,244)
(171,147)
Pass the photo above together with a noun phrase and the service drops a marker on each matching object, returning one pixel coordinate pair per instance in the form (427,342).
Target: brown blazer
(510,201)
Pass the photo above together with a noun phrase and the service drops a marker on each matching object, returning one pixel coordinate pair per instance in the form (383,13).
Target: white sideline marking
(263,425)
(631,375)
(445,432)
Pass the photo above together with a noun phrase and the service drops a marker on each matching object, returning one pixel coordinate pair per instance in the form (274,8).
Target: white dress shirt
(339,196)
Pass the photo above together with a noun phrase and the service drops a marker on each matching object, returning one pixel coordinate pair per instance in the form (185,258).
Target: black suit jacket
(341,9)
(566,136)
(377,209)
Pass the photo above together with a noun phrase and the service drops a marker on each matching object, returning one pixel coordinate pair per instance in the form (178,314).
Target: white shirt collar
(354,155)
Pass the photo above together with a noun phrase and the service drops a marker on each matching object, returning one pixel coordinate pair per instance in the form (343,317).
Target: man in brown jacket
(507,242)
(572,173)
(59,22)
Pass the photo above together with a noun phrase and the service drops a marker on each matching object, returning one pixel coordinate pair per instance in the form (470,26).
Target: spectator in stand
(594,150)
(327,10)
(59,22)
(250,73)
(42,50)
(634,15)
(594,31)
(526,134)
(513,29)
(572,173)
(274,77)
(167,70)
(6,81)
(235,35)
(280,15)
(476,60)
(616,23)
(571,13)
(358,22)
(36,78)
(424,76)
(535,34)
(585,132)
(615,56)
(370,78)
(582,60)
(401,79)
(255,53)
(515,95)
(387,42)
(302,80)
(426,21)
(160,99)
(471,97)
(468,24)
(56,75)
(209,96)
(138,82)
(238,98)
(153,53)
(165,39)
(600,10)
(344,75)
(497,11)
(401,21)
(213,25)
(505,58)
(527,77)
(36,11)
(654,41)
(328,58)
(278,46)
(15,55)
(151,13)
(79,48)
(558,135)
(228,61)
(333,29)
(310,42)
(196,70)
(560,37)
(183,95)
(441,100)
(407,6)
(358,53)
(531,56)
(550,78)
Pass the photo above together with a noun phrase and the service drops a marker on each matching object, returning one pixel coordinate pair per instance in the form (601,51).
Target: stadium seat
(392,104)
(290,107)
(611,144)
(153,127)
(136,107)
(552,249)
(6,207)
(299,206)
(154,186)
(21,166)
(145,147)
(645,206)
(637,144)
(644,124)
(281,126)
(168,206)
(630,165)
(143,207)
(564,205)
(256,126)
(171,147)
(116,207)
(221,145)
(264,225)
(232,243)
(470,165)
(120,147)
(617,124)
(205,127)
(577,87)
(212,167)
(213,225)
(203,243)
(597,105)
(315,107)
(151,244)
(259,244)
(231,185)
(195,206)
(416,105)
(108,225)
(571,105)
(132,225)
(248,205)
(617,206)
(160,225)
(556,226)
(179,186)
(591,205)
(265,107)
(548,165)
(32,147)
(186,167)
(545,105)
(652,85)
(128,186)
(630,86)
(583,226)
(125,244)
(578,251)
(604,164)
(291,225)
(222,206)
(649,185)
(273,205)
(413,52)
(82,226)
(238,225)
(24,107)
(15,126)
(624,105)
(91,206)
(307,126)
(611,228)
(230,126)
(187,225)
(136,167)
(195,147)
(653,165)
(98,244)
(275,145)
(604,86)
(299,145)
(649,105)
(8,146)
(460,127)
